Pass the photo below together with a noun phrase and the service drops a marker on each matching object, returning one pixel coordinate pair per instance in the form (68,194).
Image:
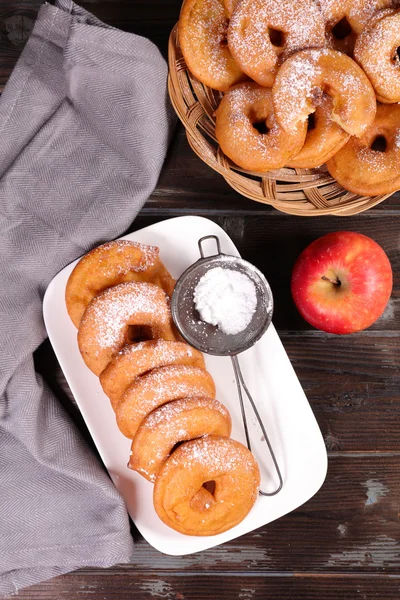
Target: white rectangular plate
(289,420)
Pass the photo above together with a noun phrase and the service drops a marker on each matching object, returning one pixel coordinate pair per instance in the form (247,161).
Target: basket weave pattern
(302,192)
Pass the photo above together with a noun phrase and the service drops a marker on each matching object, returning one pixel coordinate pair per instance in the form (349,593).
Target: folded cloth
(84,128)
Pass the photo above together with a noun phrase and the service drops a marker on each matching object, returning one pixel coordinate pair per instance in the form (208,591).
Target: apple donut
(230,6)
(202,29)
(247,131)
(137,359)
(175,422)
(109,321)
(305,76)
(108,265)
(345,19)
(182,502)
(376,50)
(158,387)
(324,138)
(370,166)
(263,33)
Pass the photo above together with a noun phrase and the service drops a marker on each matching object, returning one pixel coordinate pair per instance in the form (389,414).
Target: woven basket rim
(299,192)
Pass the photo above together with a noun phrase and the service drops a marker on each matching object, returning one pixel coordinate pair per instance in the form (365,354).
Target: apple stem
(333,281)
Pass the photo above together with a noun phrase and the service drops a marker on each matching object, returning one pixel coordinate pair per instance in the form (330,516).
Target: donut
(370,166)
(376,50)
(247,131)
(112,319)
(171,424)
(230,6)
(109,265)
(324,138)
(202,32)
(182,502)
(302,79)
(345,19)
(158,387)
(263,33)
(361,12)
(136,359)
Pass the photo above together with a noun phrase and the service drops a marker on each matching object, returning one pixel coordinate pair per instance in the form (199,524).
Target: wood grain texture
(274,241)
(344,544)
(117,584)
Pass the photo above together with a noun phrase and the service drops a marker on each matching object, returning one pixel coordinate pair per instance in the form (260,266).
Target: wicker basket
(303,192)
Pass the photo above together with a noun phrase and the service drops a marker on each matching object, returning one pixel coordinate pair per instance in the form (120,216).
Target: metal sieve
(210,339)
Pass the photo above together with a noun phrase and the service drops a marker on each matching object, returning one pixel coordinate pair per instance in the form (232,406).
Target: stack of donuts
(163,397)
(304,83)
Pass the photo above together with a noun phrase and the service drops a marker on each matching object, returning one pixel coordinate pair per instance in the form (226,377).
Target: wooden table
(345,542)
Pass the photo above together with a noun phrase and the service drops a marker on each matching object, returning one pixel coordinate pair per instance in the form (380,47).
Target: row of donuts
(163,397)
(225,42)
(321,107)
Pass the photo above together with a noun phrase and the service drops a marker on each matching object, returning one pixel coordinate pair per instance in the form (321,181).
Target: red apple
(342,282)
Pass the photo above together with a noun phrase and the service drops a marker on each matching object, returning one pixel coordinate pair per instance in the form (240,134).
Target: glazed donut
(345,19)
(262,33)
(111,264)
(175,422)
(202,31)
(182,502)
(304,76)
(136,359)
(371,165)
(376,50)
(247,131)
(158,387)
(109,321)
(324,138)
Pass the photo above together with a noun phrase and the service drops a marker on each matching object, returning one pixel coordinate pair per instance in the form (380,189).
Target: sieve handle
(241,384)
(209,237)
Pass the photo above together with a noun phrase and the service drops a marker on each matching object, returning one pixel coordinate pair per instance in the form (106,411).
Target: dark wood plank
(351,525)
(352,384)
(186,180)
(273,242)
(123,585)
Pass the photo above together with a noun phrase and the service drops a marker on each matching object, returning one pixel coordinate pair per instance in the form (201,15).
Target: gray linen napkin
(84,128)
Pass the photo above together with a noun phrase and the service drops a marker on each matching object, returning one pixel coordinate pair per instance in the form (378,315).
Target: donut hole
(261,126)
(342,29)
(276,37)
(396,56)
(224,34)
(139,333)
(210,487)
(379,144)
(311,122)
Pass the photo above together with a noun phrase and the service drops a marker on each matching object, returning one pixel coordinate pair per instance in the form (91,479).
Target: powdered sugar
(226,298)
(128,303)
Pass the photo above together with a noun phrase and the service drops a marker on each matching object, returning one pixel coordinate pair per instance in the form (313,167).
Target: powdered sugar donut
(370,166)
(345,19)
(263,32)
(157,388)
(306,75)
(182,502)
(376,50)
(248,133)
(230,6)
(324,137)
(111,264)
(175,422)
(203,28)
(110,319)
(136,359)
